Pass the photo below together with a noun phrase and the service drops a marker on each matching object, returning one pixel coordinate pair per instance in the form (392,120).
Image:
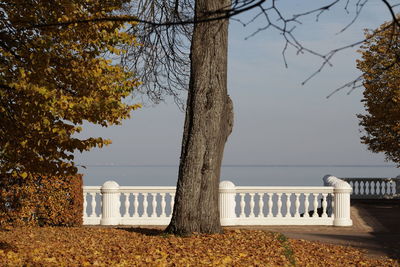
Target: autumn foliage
(380,65)
(53,246)
(39,201)
(54,78)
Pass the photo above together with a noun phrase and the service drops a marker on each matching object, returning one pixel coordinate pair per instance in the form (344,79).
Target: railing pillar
(341,191)
(227,205)
(110,203)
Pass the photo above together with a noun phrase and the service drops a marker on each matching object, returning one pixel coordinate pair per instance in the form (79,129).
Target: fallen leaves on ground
(96,246)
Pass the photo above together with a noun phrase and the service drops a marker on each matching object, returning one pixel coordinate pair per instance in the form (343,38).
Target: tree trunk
(208,123)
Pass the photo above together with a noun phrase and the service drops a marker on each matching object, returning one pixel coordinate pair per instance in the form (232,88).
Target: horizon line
(241,165)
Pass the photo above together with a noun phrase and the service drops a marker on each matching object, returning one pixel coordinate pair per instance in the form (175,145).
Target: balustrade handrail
(147,189)
(371,178)
(91,189)
(284,189)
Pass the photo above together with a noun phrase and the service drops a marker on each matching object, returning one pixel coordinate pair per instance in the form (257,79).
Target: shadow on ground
(143,231)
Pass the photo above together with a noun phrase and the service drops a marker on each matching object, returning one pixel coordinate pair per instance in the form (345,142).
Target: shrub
(39,200)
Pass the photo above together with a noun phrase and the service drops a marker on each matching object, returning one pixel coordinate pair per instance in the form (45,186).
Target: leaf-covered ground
(92,246)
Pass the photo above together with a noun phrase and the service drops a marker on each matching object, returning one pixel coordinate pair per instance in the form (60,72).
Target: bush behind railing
(40,200)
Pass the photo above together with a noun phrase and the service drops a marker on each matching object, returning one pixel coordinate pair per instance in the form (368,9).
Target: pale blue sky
(277,120)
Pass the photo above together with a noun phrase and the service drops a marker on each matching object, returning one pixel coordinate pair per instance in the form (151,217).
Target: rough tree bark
(208,123)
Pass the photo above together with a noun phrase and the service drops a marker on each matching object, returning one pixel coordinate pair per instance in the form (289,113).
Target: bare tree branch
(164,29)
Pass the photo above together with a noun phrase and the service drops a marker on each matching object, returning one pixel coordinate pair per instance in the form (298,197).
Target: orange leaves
(381,77)
(146,247)
(39,200)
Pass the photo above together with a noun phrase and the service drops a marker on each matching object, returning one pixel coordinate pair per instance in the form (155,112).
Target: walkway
(376,229)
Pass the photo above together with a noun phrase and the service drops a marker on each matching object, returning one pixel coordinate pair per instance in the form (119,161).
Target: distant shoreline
(249,165)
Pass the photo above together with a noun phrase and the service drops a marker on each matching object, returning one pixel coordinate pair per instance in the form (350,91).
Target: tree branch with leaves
(52,79)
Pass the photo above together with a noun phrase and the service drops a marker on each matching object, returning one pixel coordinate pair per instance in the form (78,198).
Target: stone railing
(112,204)
(374,188)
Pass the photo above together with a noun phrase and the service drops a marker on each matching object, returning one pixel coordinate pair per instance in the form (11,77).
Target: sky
(277,119)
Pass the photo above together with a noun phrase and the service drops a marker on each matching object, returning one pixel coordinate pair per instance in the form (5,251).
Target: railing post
(341,191)
(227,205)
(110,203)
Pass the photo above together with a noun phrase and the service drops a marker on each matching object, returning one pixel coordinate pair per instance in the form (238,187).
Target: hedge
(39,200)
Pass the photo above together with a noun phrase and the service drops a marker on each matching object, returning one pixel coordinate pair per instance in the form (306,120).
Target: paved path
(376,229)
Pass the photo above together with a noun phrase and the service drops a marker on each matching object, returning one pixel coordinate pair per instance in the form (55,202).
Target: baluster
(288,205)
(306,205)
(269,214)
(372,188)
(324,205)
(93,204)
(357,188)
(154,205)
(386,184)
(366,187)
(251,214)
(392,188)
(172,202)
(126,205)
(84,204)
(382,188)
(135,199)
(260,205)
(379,188)
(376,188)
(389,188)
(242,215)
(163,213)
(351,183)
(296,204)
(279,204)
(145,205)
(315,214)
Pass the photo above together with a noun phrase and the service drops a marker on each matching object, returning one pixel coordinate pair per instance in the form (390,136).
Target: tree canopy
(380,65)
(54,78)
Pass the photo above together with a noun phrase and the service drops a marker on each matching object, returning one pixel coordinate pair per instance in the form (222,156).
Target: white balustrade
(239,205)
(374,188)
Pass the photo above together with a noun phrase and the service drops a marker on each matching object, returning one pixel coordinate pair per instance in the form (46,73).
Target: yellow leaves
(23,143)
(60,80)
(22,73)
(63,18)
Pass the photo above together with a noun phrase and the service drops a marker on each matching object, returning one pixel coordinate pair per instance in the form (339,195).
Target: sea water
(241,175)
